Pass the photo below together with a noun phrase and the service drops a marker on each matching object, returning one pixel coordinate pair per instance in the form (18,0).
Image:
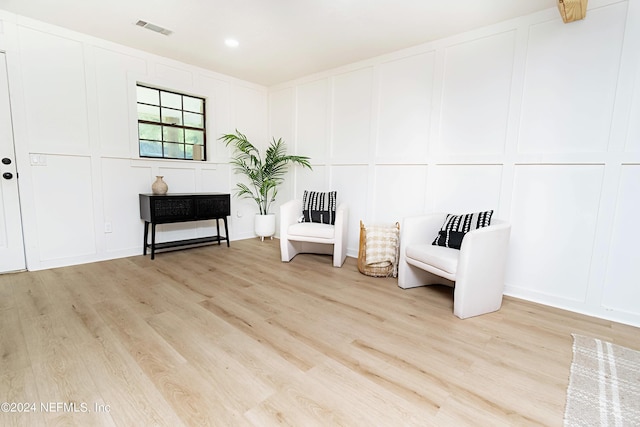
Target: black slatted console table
(179,207)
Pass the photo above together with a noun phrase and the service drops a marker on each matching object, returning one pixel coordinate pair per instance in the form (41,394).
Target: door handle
(7,175)
(6,161)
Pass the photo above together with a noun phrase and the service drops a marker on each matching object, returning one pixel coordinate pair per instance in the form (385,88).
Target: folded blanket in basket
(382,246)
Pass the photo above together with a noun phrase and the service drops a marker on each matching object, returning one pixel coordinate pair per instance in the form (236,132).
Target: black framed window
(171,125)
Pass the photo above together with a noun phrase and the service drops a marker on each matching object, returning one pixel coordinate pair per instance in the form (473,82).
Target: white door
(11,243)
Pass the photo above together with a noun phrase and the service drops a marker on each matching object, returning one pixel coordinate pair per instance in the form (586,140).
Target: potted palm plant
(264,174)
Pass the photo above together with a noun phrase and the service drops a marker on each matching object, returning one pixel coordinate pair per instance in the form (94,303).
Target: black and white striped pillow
(319,207)
(456,226)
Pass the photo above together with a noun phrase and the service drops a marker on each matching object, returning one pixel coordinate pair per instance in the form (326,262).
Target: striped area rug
(604,386)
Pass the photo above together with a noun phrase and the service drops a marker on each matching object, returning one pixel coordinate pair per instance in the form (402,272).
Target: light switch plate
(38,159)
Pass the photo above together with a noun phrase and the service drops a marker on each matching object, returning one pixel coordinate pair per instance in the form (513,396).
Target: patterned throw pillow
(456,226)
(319,207)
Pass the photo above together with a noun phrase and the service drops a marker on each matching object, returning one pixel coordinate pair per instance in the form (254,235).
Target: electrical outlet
(107,227)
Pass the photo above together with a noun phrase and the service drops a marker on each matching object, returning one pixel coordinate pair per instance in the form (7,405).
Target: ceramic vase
(159,186)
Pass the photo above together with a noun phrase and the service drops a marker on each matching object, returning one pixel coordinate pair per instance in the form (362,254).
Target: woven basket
(369,270)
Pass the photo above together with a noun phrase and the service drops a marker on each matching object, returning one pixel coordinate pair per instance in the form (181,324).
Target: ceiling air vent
(153,27)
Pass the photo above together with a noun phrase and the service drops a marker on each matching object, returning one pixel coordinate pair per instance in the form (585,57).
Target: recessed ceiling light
(231,42)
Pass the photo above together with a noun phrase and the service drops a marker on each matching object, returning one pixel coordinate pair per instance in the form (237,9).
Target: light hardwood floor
(234,337)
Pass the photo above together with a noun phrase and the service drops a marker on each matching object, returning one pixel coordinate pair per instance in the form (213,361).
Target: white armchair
(476,270)
(311,237)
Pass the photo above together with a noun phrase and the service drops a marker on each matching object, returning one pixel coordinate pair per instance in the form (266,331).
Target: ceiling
(279,40)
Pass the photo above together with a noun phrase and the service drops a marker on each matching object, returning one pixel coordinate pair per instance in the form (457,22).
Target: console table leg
(226,230)
(146,234)
(153,241)
(218,228)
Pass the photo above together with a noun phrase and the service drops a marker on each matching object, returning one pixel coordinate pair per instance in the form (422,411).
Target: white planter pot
(265,225)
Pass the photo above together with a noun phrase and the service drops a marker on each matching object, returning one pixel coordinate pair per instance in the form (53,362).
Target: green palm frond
(264,175)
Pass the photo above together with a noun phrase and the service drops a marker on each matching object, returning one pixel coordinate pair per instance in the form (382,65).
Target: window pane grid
(170,124)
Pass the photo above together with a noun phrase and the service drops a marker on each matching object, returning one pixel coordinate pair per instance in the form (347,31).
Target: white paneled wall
(54,83)
(64,208)
(391,185)
(622,292)
(475,95)
(116,128)
(536,119)
(477,188)
(73,101)
(405,91)
(570,83)
(554,217)
(119,174)
(312,125)
(350,181)
(351,115)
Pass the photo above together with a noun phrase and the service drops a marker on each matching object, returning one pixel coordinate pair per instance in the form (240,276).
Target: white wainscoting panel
(352,114)
(180,179)
(621,291)
(632,143)
(404,109)
(114,109)
(64,207)
(250,114)
(398,191)
(315,180)
(312,135)
(350,181)
(214,178)
(174,76)
(52,69)
(121,185)
(554,213)
(460,189)
(218,95)
(476,93)
(281,118)
(570,83)
(245,211)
